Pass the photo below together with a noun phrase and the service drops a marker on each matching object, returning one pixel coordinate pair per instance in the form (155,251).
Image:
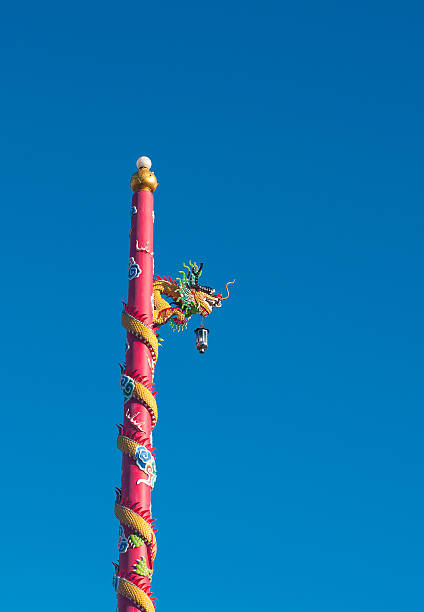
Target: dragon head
(196,298)
(205,297)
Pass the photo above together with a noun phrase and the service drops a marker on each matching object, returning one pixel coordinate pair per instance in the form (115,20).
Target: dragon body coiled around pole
(185,297)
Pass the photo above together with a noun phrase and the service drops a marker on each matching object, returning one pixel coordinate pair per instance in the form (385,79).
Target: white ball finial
(144,162)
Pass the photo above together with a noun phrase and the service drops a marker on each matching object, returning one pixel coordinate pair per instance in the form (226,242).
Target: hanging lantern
(201,339)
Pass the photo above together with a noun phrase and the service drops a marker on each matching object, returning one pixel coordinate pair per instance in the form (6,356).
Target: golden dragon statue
(185,297)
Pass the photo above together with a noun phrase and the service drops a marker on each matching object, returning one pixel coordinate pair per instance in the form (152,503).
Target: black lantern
(201,339)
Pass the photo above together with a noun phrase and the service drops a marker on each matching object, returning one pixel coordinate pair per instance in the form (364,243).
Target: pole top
(144,179)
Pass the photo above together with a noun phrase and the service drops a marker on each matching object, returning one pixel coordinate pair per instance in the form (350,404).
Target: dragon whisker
(228,293)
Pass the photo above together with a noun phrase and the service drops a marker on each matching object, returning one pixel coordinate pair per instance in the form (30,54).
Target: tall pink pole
(144,313)
(137,544)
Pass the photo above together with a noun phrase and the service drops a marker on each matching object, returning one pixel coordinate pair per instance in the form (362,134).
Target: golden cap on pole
(144,178)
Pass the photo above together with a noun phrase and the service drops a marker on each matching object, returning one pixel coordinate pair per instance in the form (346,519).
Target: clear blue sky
(288,142)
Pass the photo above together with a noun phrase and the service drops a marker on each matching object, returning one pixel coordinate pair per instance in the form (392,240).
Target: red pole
(137,544)
(144,313)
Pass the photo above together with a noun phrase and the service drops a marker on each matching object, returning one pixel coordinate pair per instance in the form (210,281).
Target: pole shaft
(139,360)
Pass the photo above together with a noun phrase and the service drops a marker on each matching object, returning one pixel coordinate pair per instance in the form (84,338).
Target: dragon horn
(189,273)
(193,271)
(197,274)
(228,293)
